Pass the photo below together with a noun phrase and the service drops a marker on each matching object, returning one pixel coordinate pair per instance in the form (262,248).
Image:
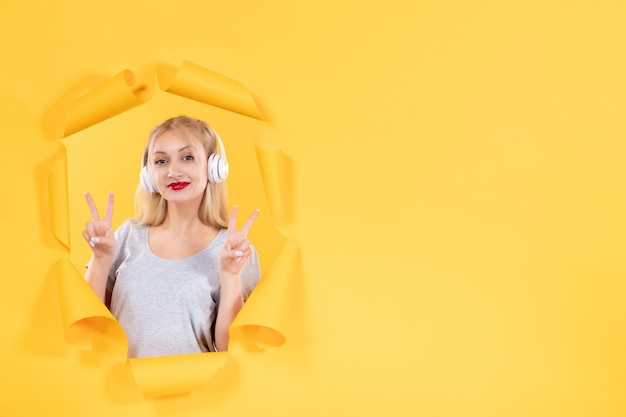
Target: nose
(174,170)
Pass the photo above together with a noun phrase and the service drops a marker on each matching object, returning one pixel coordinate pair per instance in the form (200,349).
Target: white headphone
(217,166)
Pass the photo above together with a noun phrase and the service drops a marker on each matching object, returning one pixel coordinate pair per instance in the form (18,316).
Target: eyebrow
(165,153)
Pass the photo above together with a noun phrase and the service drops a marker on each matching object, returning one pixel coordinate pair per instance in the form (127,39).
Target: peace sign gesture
(99,232)
(237,247)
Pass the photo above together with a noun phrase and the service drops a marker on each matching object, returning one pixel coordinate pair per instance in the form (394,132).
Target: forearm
(231,302)
(97,274)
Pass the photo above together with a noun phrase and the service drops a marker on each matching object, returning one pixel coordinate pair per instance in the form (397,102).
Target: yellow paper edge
(276,173)
(59,201)
(264,319)
(178,374)
(112,97)
(205,86)
(82,312)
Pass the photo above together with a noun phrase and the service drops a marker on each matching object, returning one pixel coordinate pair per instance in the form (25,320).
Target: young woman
(177,274)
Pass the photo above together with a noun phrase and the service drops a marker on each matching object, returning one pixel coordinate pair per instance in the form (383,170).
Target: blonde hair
(151,207)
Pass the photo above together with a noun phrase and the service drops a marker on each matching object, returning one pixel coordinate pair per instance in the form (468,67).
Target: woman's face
(179,167)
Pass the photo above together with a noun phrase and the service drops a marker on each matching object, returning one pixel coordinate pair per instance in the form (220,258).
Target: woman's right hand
(99,232)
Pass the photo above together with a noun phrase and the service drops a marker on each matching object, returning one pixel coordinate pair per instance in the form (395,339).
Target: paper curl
(88,324)
(264,319)
(169,375)
(114,96)
(276,172)
(201,84)
(57,190)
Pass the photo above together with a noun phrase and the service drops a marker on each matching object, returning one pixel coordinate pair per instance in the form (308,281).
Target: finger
(243,249)
(241,254)
(108,214)
(90,229)
(92,207)
(232,222)
(249,222)
(88,238)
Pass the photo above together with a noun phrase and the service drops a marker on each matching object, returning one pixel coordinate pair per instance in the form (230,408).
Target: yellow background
(458,201)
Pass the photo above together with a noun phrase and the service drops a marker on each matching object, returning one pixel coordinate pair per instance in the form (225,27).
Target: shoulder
(222,234)
(127,229)
(218,241)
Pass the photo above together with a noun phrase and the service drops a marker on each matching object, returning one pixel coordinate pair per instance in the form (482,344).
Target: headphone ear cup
(218,168)
(146,180)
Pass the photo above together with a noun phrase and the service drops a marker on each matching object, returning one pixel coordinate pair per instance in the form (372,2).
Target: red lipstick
(178,185)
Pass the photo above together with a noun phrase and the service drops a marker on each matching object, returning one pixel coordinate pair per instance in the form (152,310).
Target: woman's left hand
(237,247)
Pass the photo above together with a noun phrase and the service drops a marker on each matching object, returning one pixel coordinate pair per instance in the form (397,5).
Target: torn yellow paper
(169,375)
(264,319)
(57,191)
(84,316)
(209,87)
(88,324)
(276,173)
(110,98)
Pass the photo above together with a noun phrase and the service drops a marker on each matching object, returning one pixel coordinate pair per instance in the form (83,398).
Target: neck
(181,218)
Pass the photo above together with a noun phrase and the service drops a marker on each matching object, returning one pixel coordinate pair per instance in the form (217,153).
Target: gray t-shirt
(168,307)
